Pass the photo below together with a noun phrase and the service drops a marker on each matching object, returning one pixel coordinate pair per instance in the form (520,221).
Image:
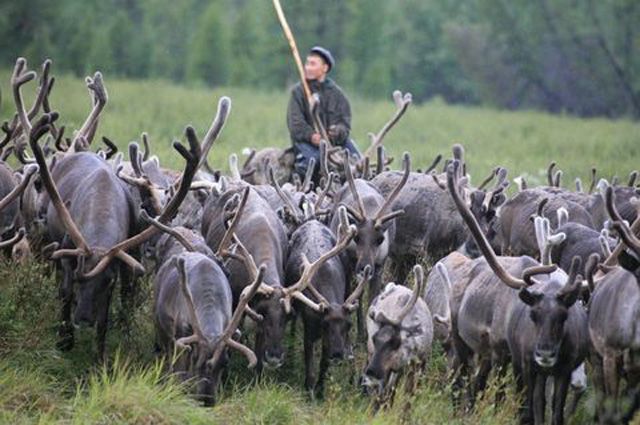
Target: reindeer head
(387,335)
(371,244)
(549,313)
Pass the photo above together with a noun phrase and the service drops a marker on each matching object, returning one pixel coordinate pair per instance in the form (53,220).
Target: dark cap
(324,54)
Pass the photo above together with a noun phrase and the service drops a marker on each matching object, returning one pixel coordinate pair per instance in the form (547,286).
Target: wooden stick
(296,57)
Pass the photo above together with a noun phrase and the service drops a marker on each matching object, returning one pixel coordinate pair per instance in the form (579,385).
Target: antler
(615,216)
(168,230)
(14,240)
(99,99)
(499,187)
(476,232)
(307,184)
(229,234)
(434,164)
(346,233)
(41,127)
(222,113)
(147,188)
(29,171)
(402,103)
(226,337)
(418,288)
(381,218)
(550,168)
(233,167)
(359,214)
(545,239)
(288,203)
(351,303)
(192,157)
(198,335)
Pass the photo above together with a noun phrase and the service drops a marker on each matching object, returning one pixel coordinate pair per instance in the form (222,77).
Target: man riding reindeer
(332,109)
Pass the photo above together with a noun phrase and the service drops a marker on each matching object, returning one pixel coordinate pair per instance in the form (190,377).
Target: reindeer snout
(545,356)
(273,359)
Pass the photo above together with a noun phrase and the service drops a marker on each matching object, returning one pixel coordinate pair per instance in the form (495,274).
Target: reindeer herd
(545,281)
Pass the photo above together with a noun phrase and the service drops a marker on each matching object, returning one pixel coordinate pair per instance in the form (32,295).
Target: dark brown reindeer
(330,322)
(545,330)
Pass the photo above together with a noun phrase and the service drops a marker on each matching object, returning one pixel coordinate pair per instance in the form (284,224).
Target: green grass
(39,384)
(524,142)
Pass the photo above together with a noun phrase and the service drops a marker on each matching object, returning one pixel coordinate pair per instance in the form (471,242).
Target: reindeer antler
(168,230)
(99,99)
(346,233)
(380,217)
(545,239)
(476,232)
(226,337)
(29,171)
(402,102)
(418,288)
(351,303)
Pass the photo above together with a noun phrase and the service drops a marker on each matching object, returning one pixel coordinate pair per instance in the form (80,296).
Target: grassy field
(39,384)
(524,142)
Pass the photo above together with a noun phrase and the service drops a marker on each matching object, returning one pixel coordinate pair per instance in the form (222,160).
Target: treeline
(576,56)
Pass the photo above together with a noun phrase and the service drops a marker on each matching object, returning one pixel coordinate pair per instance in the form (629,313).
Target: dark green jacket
(334,110)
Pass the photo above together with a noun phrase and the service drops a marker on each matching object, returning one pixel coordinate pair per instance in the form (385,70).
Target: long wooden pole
(296,57)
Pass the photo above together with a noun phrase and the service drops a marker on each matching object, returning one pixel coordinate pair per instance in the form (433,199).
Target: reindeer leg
(324,367)
(598,384)
(539,388)
(65,331)
(102,324)
(610,368)
(259,350)
(560,388)
(309,378)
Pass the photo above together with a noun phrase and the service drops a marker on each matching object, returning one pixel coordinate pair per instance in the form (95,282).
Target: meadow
(40,384)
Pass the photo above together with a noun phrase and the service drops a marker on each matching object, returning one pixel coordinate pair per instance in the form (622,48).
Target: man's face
(315,68)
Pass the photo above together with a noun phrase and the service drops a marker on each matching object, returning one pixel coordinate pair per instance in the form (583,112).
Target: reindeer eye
(356,238)
(380,240)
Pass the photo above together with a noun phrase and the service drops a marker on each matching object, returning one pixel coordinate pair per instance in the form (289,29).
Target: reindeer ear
(530,298)
(287,158)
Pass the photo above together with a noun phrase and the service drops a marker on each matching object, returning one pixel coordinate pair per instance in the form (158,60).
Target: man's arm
(299,129)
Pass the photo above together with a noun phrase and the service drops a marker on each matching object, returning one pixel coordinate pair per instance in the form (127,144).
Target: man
(334,111)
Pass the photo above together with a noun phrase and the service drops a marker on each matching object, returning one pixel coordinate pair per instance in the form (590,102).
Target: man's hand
(315,139)
(336,133)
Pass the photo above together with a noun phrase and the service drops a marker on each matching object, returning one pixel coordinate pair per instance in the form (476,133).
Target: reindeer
(262,234)
(314,241)
(543,327)
(400,333)
(515,233)
(93,223)
(192,307)
(430,227)
(369,211)
(614,318)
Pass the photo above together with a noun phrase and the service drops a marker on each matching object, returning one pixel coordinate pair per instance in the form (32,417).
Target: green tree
(209,55)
